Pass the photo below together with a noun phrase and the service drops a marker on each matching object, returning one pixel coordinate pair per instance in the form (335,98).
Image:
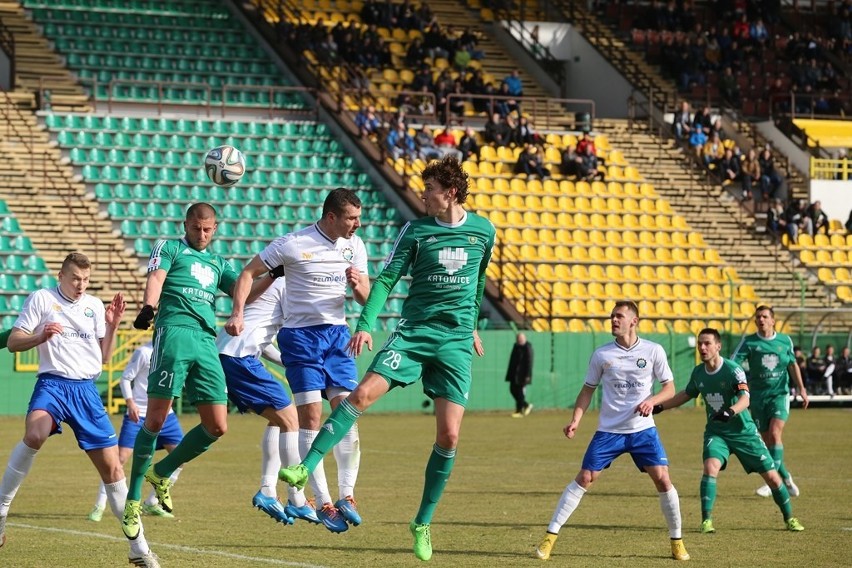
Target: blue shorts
(644,447)
(316,358)
(170,435)
(251,386)
(78,404)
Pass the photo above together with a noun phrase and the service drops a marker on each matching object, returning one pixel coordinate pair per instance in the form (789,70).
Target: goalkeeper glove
(145,317)
(724,414)
(277,272)
(657,409)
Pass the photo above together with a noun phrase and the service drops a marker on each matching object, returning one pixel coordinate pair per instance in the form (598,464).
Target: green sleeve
(228,278)
(480,285)
(396,266)
(691,387)
(4,338)
(741,352)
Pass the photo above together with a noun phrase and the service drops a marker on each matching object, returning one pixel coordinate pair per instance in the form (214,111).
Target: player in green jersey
(183,277)
(730,429)
(4,338)
(446,254)
(767,356)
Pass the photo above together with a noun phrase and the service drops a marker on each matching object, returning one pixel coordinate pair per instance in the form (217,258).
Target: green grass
(508,477)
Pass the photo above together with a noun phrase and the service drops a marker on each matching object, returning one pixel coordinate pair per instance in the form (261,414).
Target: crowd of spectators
(740,50)
(828,373)
(796,218)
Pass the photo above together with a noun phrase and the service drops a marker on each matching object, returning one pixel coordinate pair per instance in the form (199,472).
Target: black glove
(657,409)
(145,317)
(724,414)
(277,272)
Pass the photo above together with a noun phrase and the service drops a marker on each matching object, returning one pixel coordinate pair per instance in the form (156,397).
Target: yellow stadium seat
(547,236)
(546,252)
(615,189)
(680,307)
(577,325)
(664,291)
(558,325)
(680,239)
(484,185)
(579,272)
(715,291)
(529,252)
(823,257)
(596,272)
(842,275)
(575,308)
(584,188)
(471,168)
(595,307)
(630,221)
(807,257)
(612,289)
(513,236)
(631,239)
(838,241)
(530,236)
(646,254)
(662,326)
(597,290)
(630,290)
(844,293)
(839,257)
(646,326)
(647,291)
(680,256)
(597,325)
(597,237)
(805,241)
(681,326)
(579,253)
(614,273)
(486,169)
(614,238)
(630,255)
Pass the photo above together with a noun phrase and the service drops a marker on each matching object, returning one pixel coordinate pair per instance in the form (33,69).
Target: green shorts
(184,356)
(764,408)
(441,356)
(747,446)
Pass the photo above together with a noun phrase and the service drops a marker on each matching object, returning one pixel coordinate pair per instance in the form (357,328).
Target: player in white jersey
(252,387)
(626,368)
(320,263)
(134,389)
(74,336)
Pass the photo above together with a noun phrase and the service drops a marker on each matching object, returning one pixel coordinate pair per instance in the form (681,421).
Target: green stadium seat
(129,229)
(23,243)
(16,302)
(7,282)
(5,244)
(47,281)
(143,246)
(4,208)
(27,283)
(240,248)
(169,229)
(14,263)
(36,263)
(148,228)
(226,230)
(10,225)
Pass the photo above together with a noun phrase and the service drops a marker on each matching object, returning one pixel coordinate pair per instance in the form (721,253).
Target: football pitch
(508,477)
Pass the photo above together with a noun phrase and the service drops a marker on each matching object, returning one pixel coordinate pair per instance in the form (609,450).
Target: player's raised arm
(112,318)
(242,288)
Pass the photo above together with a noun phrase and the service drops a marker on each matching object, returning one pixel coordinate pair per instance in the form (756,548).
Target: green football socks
(708,496)
(437,474)
(194,443)
(143,453)
(777,453)
(332,431)
(782,498)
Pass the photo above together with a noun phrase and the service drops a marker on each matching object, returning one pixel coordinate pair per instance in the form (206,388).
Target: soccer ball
(225,165)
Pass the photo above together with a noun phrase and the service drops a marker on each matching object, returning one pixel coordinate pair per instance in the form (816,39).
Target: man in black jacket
(519,374)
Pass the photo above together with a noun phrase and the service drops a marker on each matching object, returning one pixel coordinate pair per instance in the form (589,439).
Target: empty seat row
(292,146)
(20,263)
(544,273)
(154,125)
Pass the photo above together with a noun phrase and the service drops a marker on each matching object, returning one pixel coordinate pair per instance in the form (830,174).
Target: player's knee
(447,440)
(217,429)
(154,424)
(584,479)
(34,440)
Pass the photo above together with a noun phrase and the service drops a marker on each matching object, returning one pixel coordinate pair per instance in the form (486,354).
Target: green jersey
(765,360)
(447,265)
(189,291)
(721,388)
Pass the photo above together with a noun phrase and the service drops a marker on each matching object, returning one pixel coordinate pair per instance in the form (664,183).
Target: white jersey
(76,353)
(627,376)
(315,268)
(134,379)
(262,319)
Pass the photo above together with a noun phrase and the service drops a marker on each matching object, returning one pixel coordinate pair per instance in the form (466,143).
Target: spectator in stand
(400,143)
(776,220)
(514,134)
(712,50)
(457,100)
(367,122)
(467,41)
(446,143)
(818,218)
(759,35)
(729,167)
(526,134)
(770,179)
(728,87)
(682,122)
(426,147)
(531,163)
(796,219)
(434,42)
(697,140)
(588,164)
(750,174)
(468,145)
(703,120)
(741,29)
(497,131)
(416,53)
(713,152)
(586,144)
(505,106)
(570,166)
(513,80)
(843,372)
(816,371)
(802,363)
(426,102)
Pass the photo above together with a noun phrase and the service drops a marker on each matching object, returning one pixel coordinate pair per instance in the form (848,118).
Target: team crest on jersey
(471,240)
(307,255)
(452,259)
(89,313)
(348,254)
(57,308)
(204,274)
(641,363)
(769,361)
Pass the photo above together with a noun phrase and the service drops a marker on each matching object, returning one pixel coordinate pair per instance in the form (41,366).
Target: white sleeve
(126,388)
(32,314)
(131,371)
(593,374)
(271,353)
(276,253)
(662,371)
(361,261)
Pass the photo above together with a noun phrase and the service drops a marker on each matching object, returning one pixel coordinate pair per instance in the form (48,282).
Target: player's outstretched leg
(162,487)
(545,547)
(349,509)
(295,475)
(332,519)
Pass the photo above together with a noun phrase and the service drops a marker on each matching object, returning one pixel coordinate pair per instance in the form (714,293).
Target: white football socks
(20,462)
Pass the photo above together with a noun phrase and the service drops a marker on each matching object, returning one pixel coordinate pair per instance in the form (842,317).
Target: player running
(729,430)
(768,359)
